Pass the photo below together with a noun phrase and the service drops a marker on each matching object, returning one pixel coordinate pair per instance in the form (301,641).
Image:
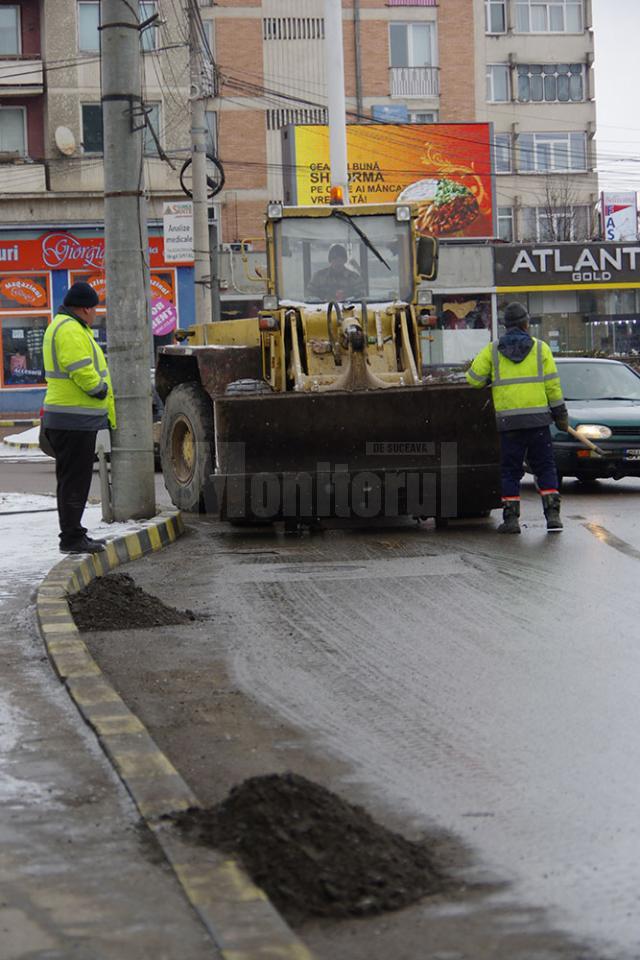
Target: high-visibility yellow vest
(76,370)
(523,393)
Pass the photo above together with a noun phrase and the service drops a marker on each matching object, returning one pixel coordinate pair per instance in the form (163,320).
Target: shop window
(22,360)
(164,304)
(24,314)
(88,23)
(13,130)
(10,30)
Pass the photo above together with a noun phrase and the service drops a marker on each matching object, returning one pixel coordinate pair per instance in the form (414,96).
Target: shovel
(585,442)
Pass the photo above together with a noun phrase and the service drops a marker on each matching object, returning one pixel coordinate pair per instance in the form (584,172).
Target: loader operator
(336,282)
(527,396)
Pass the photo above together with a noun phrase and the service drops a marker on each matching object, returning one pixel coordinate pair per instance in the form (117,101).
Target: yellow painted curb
(238,916)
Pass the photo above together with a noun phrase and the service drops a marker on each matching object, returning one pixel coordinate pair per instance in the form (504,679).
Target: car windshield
(323,258)
(598,381)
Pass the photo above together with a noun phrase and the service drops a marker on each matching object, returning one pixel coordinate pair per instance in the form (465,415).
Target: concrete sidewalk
(79,877)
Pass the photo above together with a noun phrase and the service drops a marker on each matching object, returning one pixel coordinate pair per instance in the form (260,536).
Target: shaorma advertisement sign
(445,168)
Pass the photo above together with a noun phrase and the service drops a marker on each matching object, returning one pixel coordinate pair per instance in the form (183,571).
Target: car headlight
(593,431)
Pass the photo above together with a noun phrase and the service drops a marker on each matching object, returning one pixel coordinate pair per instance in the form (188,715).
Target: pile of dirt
(115,602)
(313,853)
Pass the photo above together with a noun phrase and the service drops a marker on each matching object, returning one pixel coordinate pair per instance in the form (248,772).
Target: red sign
(64,251)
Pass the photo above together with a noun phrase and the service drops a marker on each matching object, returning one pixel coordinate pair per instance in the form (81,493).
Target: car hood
(613,413)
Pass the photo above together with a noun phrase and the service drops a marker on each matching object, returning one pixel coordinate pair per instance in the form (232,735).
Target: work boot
(83,545)
(510,517)
(551,507)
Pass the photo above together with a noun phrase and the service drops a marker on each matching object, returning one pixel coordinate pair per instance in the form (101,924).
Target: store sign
(60,250)
(619,214)
(178,231)
(24,291)
(164,317)
(566,264)
(444,168)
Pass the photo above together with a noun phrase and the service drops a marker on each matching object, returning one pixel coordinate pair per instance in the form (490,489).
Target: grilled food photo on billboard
(452,209)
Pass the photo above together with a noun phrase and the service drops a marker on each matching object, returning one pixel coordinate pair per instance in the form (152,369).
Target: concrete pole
(334,61)
(201,249)
(129,338)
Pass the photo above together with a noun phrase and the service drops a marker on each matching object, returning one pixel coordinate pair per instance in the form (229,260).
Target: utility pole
(129,339)
(200,91)
(334,60)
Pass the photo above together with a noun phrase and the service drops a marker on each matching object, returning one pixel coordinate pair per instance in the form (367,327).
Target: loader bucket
(367,454)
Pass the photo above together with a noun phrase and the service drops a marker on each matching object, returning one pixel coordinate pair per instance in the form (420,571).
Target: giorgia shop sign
(568,265)
(64,251)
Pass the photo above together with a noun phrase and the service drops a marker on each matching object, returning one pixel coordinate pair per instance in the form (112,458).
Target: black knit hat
(81,294)
(515,315)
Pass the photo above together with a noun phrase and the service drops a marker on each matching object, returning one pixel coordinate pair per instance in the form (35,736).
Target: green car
(603,400)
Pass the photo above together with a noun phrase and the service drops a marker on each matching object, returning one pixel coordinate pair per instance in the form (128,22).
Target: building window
(552,152)
(149,36)
(423,116)
(293,28)
(503,153)
(549,16)
(551,82)
(10,31)
(505,224)
(152,114)
(545,224)
(13,135)
(498,82)
(211,120)
(88,23)
(412,44)
(92,138)
(495,15)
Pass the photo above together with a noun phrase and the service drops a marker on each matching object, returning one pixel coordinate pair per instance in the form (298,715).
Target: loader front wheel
(186,445)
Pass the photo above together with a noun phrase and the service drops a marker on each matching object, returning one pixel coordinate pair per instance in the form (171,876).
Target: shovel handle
(585,442)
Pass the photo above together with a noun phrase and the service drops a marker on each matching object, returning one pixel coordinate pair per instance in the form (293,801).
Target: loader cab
(343,254)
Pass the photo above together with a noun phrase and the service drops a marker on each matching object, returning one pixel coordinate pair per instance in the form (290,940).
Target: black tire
(186,445)
(586,481)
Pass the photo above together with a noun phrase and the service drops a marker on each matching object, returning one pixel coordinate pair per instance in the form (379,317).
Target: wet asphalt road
(485,685)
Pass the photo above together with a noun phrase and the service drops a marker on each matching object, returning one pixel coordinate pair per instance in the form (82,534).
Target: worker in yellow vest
(79,401)
(527,396)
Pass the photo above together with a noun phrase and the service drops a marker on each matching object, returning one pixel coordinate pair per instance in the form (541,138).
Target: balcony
(21,78)
(414,82)
(19,176)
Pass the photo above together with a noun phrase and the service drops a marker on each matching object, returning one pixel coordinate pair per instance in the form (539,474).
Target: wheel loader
(318,407)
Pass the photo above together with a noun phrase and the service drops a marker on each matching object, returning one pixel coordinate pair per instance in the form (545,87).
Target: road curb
(21,446)
(19,423)
(240,919)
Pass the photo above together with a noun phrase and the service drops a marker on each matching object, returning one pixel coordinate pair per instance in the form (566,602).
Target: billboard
(619,213)
(445,167)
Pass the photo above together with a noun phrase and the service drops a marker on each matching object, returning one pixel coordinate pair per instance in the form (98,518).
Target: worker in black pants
(79,402)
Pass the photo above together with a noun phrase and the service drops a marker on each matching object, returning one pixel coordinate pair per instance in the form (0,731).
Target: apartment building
(52,172)
(521,65)
(534,82)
